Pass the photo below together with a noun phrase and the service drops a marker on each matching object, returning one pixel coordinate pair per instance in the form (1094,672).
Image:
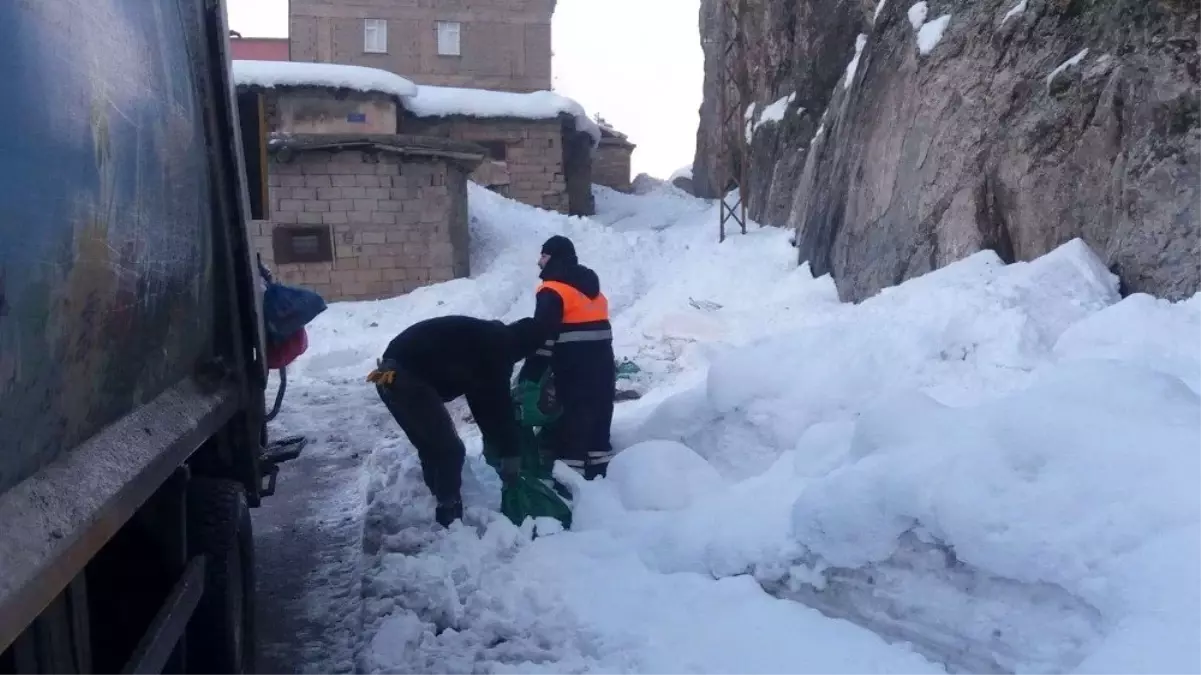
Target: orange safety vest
(577,307)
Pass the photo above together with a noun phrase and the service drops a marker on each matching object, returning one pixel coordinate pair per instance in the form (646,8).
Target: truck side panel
(106,248)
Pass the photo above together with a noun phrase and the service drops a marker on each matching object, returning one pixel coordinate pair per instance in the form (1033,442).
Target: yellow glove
(382,377)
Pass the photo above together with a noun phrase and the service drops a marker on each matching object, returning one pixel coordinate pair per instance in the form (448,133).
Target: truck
(133,384)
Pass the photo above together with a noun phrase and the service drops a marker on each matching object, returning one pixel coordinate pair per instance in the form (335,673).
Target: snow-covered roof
(539,105)
(682,172)
(338,76)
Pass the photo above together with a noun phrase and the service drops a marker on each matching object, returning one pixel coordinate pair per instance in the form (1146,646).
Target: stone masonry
(611,163)
(533,154)
(397,222)
(504,45)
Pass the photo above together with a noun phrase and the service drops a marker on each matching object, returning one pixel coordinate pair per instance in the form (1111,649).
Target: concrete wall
(396,223)
(505,44)
(611,164)
(534,154)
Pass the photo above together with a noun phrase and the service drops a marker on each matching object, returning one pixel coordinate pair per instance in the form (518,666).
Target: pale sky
(636,62)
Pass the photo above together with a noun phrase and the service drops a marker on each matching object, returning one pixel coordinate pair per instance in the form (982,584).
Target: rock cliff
(898,137)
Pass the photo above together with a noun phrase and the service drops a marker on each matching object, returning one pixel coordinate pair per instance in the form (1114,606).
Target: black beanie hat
(559,248)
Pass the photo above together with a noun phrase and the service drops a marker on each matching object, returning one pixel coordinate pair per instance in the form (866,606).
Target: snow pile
(917,14)
(682,172)
(853,66)
(1074,61)
(994,466)
(1016,10)
(300,74)
(929,33)
(774,112)
(539,105)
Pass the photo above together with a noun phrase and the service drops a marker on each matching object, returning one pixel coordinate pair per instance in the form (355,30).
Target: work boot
(448,513)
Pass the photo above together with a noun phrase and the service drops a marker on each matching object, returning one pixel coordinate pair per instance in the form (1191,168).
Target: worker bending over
(438,360)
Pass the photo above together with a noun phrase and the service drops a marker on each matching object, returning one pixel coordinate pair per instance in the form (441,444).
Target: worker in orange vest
(573,316)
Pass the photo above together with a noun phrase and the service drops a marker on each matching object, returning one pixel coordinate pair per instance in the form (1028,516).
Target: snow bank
(853,66)
(301,74)
(661,476)
(682,172)
(931,32)
(539,105)
(774,112)
(917,14)
(993,464)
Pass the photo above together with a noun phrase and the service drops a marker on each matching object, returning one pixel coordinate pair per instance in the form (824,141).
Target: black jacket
(465,356)
(582,370)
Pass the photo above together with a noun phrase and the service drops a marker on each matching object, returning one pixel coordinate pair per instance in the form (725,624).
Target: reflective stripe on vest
(577,307)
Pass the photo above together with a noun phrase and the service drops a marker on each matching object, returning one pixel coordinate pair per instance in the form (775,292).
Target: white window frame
(375,36)
(450,38)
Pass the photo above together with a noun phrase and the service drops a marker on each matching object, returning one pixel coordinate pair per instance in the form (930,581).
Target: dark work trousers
(422,416)
(580,437)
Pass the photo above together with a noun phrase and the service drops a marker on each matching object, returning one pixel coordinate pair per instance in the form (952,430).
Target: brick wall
(396,223)
(504,44)
(611,164)
(534,153)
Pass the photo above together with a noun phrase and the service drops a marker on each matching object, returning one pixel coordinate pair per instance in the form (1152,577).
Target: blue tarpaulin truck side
(132,373)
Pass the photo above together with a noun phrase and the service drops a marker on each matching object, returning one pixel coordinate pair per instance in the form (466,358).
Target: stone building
(492,44)
(611,159)
(540,145)
(366,217)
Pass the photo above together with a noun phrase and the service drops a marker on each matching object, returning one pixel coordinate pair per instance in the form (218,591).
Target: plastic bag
(528,497)
(282,354)
(287,309)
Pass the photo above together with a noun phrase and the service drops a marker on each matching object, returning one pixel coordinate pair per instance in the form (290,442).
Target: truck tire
(221,634)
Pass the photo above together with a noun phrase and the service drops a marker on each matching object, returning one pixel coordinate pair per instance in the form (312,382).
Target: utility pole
(731,152)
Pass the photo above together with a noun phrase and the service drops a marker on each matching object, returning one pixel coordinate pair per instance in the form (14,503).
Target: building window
(448,38)
(497,150)
(293,244)
(375,36)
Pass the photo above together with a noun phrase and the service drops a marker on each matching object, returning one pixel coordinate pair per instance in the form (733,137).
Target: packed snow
(879,8)
(774,112)
(433,101)
(917,14)
(271,74)
(1016,10)
(682,172)
(1074,61)
(931,32)
(853,66)
(989,467)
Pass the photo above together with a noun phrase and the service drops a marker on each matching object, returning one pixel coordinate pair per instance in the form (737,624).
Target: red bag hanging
(282,354)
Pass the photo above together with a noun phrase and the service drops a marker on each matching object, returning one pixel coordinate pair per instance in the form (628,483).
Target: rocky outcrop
(791,50)
(1004,134)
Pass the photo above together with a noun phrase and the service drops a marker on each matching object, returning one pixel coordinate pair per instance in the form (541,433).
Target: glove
(384,373)
(382,378)
(510,469)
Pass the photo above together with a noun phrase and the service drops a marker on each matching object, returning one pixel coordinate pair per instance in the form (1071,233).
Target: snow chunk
(1014,11)
(931,33)
(774,112)
(539,105)
(860,43)
(300,74)
(662,476)
(917,14)
(1074,61)
(682,172)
